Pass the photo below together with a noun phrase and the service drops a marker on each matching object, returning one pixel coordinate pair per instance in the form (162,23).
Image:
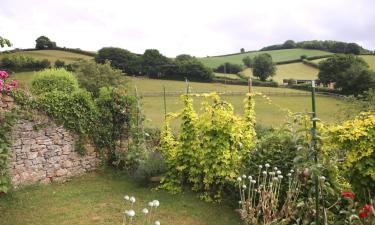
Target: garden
(216,167)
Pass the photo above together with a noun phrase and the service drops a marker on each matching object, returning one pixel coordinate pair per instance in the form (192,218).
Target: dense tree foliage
(247,61)
(350,74)
(186,66)
(331,46)
(263,66)
(154,64)
(44,42)
(121,59)
(229,68)
(4,42)
(92,76)
(23,63)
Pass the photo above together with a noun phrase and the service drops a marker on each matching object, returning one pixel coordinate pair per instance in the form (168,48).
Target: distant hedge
(245,82)
(18,63)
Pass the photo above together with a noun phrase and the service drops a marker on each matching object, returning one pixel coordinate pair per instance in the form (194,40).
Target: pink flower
(4,74)
(13,83)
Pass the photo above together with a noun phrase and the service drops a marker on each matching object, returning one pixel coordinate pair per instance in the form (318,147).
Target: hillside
(370,59)
(53,55)
(277,56)
(297,71)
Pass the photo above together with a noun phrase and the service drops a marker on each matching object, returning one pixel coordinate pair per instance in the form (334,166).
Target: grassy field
(23,78)
(97,198)
(269,114)
(297,71)
(227,75)
(53,55)
(277,56)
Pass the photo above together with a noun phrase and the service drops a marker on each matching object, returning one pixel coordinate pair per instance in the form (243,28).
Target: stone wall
(46,154)
(6,102)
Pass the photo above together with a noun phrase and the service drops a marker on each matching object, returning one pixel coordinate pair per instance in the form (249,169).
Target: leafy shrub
(92,76)
(152,166)
(54,80)
(59,63)
(229,68)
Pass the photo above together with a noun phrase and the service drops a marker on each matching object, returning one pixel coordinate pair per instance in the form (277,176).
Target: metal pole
(315,150)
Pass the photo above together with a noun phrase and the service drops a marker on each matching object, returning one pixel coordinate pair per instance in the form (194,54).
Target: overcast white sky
(196,27)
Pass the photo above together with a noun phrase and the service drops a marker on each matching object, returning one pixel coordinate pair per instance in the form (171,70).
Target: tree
(353,48)
(154,63)
(289,44)
(263,66)
(92,76)
(242,50)
(186,66)
(44,42)
(4,41)
(122,59)
(331,67)
(247,61)
(350,73)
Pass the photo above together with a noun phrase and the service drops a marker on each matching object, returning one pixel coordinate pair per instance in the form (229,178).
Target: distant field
(267,114)
(152,85)
(23,78)
(53,55)
(277,56)
(297,71)
(227,75)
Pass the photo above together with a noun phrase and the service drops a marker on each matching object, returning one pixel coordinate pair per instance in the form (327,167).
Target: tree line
(330,46)
(155,65)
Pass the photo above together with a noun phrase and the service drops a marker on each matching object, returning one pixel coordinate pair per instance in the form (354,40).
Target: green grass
(297,71)
(97,198)
(23,78)
(53,55)
(153,85)
(227,75)
(268,114)
(277,56)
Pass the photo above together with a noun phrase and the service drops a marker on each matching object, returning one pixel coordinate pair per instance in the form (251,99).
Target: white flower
(260,166)
(250,177)
(292,171)
(239,179)
(275,179)
(126,197)
(275,168)
(253,181)
(145,211)
(147,135)
(131,213)
(267,165)
(156,203)
(157,222)
(132,199)
(239,202)
(322,178)
(244,176)
(264,173)
(272,173)
(151,204)
(280,176)
(278,172)
(289,174)
(244,186)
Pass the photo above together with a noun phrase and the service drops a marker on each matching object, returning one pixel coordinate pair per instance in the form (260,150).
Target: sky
(196,27)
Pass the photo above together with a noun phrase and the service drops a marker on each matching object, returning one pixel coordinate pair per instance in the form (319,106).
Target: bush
(92,76)
(152,166)
(229,68)
(59,64)
(54,80)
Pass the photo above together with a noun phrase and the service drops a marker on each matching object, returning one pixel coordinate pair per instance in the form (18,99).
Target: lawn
(53,55)
(267,113)
(297,71)
(277,56)
(97,198)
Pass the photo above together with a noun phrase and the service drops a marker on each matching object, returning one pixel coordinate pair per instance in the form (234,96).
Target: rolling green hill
(53,55)
(297,71)
(277,56)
